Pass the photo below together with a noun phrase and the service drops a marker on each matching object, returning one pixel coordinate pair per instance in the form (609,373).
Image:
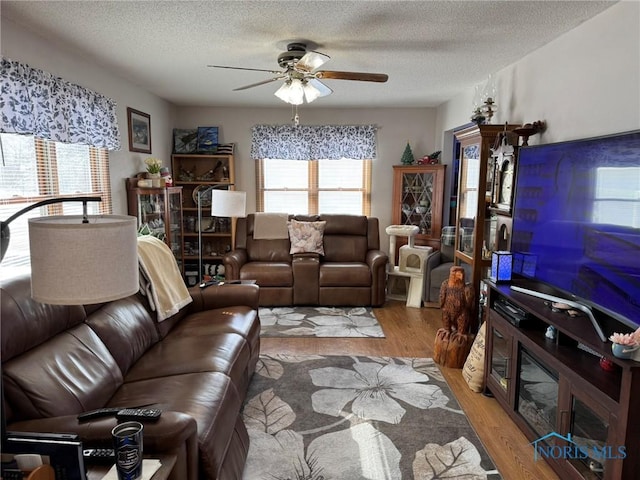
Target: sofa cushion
(227,353)
(268,274)
(125,326)
(268,250)
(238,319)
(306,237)
(32,323)
(346,238)
(339,274)
(71,373)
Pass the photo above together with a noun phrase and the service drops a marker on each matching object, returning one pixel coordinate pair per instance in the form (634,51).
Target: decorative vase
(623,351)
(156,179)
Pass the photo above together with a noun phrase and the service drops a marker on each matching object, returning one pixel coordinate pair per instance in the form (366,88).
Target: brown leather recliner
(352,271)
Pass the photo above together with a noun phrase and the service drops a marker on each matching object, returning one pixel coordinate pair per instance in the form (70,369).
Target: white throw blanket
(160,278)
(270,226)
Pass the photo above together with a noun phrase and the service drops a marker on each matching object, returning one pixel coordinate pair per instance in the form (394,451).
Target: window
(33,170)
(314,186)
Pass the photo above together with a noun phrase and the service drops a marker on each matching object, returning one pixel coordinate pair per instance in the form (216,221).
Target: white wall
(21,45)
(583,84)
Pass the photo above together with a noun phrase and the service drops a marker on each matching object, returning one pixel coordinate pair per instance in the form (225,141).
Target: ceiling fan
(302,77)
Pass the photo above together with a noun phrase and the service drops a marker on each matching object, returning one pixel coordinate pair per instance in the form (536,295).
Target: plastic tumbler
(127,443)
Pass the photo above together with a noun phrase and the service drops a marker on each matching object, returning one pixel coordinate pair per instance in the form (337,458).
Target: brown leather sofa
(352,271)
(59,361)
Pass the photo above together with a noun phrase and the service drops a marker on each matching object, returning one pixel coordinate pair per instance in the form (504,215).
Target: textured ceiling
(431,50)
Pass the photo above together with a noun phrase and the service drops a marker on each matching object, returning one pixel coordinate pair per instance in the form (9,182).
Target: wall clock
(504,178)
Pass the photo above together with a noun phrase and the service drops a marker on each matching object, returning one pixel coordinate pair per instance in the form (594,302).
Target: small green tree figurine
(407,156)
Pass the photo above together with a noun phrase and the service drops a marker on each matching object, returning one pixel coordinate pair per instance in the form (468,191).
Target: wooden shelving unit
(205,242)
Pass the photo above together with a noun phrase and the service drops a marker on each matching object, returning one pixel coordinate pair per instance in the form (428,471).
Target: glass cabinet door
(500,359)
(159,213)
(174,227)
(590,431)
(468,197)
(537,399)
(416,200)
(151,213)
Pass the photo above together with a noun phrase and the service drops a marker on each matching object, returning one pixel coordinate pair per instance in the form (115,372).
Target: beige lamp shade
(228,203)
(75,263)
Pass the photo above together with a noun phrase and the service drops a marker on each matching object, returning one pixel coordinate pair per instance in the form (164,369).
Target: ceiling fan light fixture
(310,92)
(291,92)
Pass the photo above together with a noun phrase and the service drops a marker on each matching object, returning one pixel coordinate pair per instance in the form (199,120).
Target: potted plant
(153,170)
(624,345)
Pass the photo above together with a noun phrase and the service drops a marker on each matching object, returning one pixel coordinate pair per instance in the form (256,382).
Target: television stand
(578,306)
(579,414)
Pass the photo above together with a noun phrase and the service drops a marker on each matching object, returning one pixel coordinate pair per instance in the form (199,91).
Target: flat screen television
(576,222)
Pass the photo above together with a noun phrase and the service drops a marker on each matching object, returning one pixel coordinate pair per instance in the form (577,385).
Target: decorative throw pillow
(473,369)
(306,237)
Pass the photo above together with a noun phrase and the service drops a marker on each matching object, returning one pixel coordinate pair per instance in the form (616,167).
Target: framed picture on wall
(139,131)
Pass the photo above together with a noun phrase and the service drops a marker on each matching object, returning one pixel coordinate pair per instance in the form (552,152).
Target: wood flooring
(410,332)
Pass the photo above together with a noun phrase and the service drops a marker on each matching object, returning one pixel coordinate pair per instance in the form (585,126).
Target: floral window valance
(37,103)
(313,142)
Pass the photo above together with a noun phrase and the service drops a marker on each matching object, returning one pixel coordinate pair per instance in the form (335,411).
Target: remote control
(99,413)
(99,455)
(140,414)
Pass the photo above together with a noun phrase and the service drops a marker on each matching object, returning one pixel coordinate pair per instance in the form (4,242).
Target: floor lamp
(78,259)
(224,203)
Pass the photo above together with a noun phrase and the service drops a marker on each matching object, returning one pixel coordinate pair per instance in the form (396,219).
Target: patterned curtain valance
(313,142)
(37,103)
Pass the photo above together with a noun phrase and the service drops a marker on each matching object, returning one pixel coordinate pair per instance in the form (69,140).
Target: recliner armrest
(233,262)
(222,296)
(375,258)
(167,434)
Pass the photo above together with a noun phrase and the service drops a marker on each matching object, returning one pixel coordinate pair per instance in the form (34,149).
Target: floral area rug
(319,322)
(351,418)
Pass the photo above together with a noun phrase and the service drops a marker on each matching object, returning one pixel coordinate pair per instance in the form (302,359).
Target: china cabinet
(574,400)
(418,197)
(159,213)
(477,230)
(205,238)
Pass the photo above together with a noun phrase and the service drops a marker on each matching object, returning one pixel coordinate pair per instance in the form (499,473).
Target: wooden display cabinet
(160,209)
(476,230)
(204,242)
(580,416)
(418,197)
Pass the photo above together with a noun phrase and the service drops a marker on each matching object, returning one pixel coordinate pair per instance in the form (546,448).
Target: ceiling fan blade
(312,60)
(321,87)
(361,76)
(264,82)
(245,68)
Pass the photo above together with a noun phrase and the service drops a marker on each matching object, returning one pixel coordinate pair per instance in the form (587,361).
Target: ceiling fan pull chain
(296,117)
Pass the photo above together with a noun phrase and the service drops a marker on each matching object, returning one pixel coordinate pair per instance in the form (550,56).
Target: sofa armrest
(221,296)
(377,261)
(233,262)
(167,434)
(376,258)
